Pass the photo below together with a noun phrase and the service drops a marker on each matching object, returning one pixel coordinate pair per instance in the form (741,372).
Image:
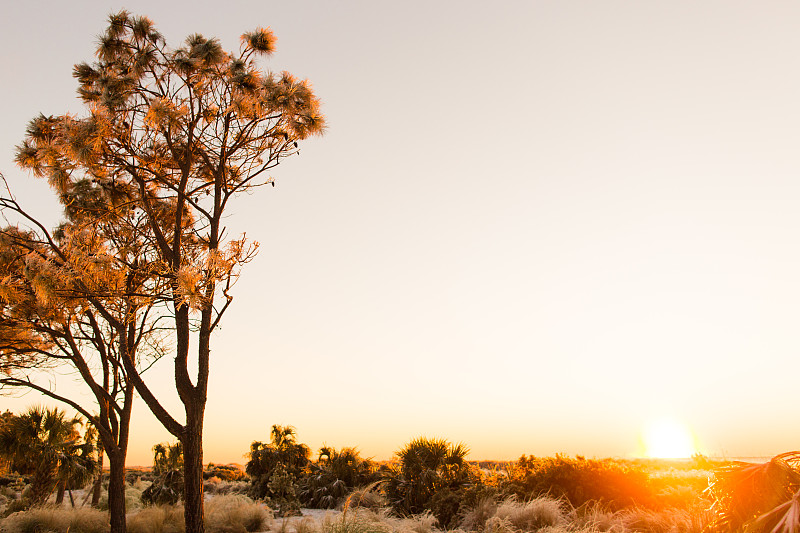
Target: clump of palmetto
(336,474)
(167,488)
(275,469)
(430,475)
(757,497)
(46,445)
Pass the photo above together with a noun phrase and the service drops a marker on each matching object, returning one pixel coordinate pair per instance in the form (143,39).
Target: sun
(668,439)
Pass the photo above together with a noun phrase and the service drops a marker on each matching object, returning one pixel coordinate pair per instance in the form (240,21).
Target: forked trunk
(193,469)
(116,492)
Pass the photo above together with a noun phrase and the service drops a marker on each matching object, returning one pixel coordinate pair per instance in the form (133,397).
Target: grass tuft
(57,520)
(157,519)
(235,514)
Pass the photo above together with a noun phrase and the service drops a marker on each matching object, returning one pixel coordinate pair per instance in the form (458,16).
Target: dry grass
(215,485)
(475,519)
(361,520)
(133,496)
(367,497)
(595,517)
(223,514)
(57,520)
(533,515)
(157,519)
(235,514)
(512,515)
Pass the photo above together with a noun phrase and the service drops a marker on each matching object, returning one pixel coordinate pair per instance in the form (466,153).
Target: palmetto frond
(757,497)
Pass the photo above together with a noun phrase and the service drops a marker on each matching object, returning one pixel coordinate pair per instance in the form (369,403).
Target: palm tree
(45,444)
(77,465)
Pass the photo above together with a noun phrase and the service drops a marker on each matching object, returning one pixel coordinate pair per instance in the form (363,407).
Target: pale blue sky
(532,227)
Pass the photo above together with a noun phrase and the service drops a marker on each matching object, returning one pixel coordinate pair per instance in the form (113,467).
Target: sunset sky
(531,227)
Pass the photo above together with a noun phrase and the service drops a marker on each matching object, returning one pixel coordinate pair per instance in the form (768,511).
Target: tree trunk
(43,482)
(98,484)
(116,492)
(97,489)
(192,442)
(62,486)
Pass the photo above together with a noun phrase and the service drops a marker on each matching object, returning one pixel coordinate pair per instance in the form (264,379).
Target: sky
(533,227)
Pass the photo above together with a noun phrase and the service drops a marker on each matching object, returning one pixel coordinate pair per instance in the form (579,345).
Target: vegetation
(169,138)
(429,475)
(275,468)
(629,496)
(335,475)
(167,487)
(47,446)
(757,497)
(617,484)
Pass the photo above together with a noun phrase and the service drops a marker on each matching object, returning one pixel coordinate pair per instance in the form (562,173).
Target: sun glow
(668,439)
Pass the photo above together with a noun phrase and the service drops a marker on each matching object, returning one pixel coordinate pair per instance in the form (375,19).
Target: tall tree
(57,294)
(173,135)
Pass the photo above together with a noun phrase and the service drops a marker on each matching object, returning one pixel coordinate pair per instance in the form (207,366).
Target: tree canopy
(169,138)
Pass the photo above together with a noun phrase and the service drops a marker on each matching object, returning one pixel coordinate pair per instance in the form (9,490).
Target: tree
(67,299)
(46,445)
(171,137)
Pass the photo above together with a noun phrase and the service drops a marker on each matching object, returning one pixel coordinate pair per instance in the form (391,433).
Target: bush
(167,489)
(327,482)
(275,468)
(224,472)
(580,480)
(429,475)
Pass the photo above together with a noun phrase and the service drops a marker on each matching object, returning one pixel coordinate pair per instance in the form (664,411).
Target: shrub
(57,520)
(167,489)
(167,485)
(224,472)
(274,469)
(429,475)
(580,480)
(327,482)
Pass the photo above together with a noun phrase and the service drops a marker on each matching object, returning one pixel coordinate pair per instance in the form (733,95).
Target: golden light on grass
(668,439)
